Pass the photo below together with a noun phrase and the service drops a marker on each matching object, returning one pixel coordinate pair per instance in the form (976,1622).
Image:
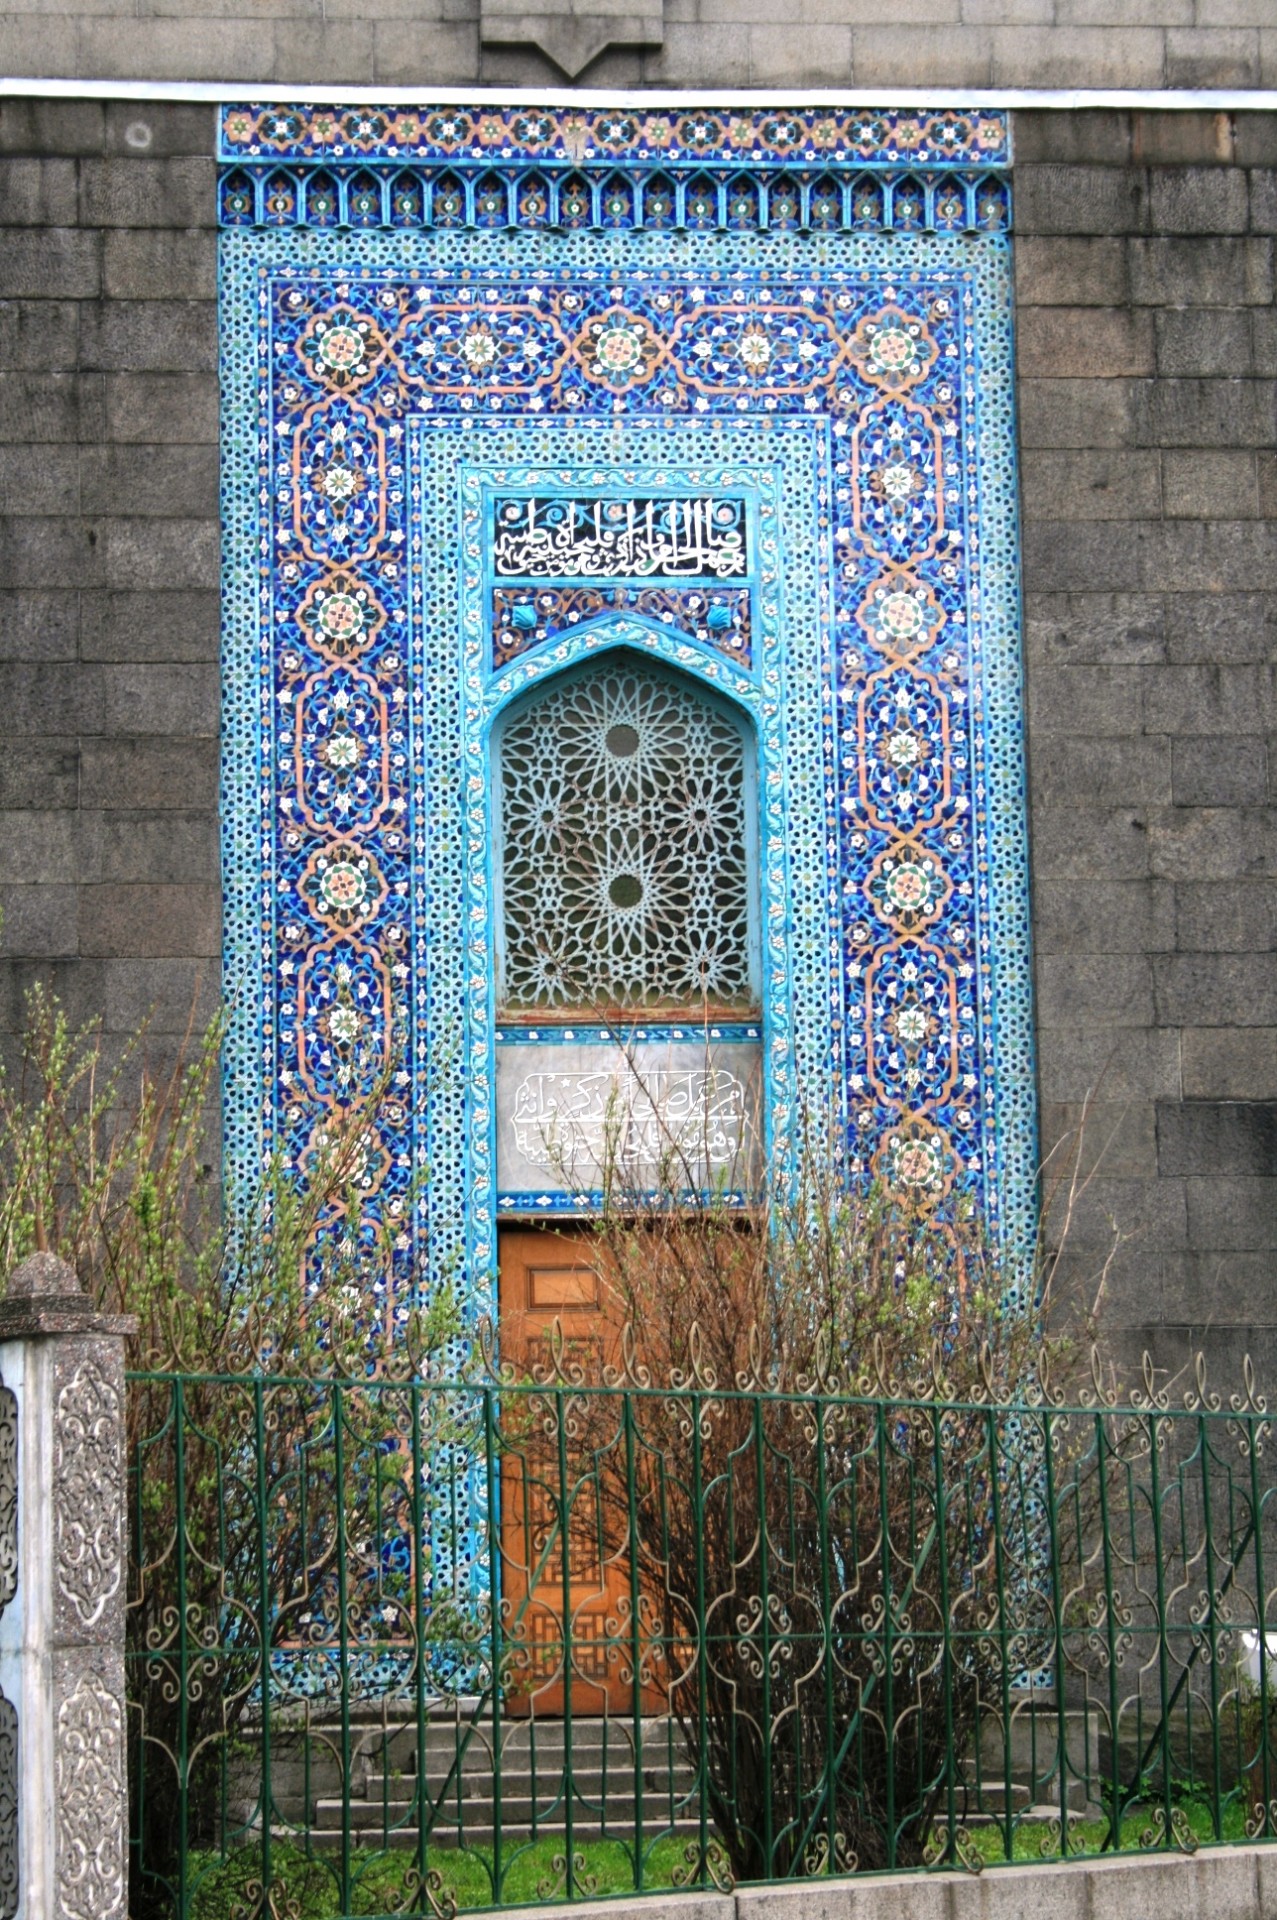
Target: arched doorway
(625,942)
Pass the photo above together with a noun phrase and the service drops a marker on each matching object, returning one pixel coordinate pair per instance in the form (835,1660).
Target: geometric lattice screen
(525,408)
(626,857)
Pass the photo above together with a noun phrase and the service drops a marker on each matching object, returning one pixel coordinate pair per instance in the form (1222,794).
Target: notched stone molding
(572,33)
(88,1491)
(90,1803)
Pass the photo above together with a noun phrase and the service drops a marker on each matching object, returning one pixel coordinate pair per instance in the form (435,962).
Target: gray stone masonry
(108,563)
(1148,375)
(684,43)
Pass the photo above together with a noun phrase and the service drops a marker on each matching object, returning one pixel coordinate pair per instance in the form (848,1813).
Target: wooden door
(569,1619)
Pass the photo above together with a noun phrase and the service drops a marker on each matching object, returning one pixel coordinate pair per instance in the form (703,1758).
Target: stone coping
(45,1296)
(1216,1883)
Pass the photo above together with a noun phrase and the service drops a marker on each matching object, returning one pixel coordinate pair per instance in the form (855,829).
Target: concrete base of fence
(1219,1883)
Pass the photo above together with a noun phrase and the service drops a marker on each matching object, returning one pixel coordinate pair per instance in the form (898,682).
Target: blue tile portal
(451,344)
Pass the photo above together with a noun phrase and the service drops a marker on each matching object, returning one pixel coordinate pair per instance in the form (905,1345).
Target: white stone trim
(64,1672)
(1068,99)
(26,1656)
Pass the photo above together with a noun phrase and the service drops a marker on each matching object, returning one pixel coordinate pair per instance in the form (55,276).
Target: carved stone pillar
(63,1847)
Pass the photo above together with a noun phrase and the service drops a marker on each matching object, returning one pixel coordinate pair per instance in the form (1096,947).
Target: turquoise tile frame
(380,380)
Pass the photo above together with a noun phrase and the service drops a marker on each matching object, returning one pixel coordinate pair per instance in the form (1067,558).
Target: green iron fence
(398,1647)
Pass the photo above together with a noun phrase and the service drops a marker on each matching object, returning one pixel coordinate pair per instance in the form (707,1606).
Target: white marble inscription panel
(576,1116)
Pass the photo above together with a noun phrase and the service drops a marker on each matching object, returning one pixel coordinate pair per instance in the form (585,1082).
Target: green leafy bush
(113,1169)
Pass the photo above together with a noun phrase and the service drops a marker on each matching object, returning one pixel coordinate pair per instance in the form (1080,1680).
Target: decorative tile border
(637,138)
(380,388)
(525,616)
(822,171)
(413,199)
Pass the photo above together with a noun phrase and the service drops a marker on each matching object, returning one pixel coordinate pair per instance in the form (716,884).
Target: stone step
(476,1766)
(477,1758)
(513,1778)
(992,1795)
(292,1787)
(442,1839)
(519,1807)
(586,1730)
(401,1745)
(517,1810)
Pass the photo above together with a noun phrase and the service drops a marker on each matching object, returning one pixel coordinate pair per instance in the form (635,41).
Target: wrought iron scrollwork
(758,1604)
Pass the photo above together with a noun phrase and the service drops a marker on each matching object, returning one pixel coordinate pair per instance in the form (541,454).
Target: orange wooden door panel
(570,1618)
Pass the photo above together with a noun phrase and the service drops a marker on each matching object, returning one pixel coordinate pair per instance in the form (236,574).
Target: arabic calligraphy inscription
(577,1116)
(548,538)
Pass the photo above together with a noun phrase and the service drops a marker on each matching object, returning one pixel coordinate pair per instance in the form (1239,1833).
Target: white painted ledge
(1067,99)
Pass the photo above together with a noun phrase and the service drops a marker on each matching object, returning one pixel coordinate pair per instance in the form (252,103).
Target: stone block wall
(719,43)
(1148,376)
(1147,355)
(109,563)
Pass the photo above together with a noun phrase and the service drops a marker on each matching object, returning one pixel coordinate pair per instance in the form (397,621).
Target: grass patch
(382,1881)
(309,1885)
(1037,1840)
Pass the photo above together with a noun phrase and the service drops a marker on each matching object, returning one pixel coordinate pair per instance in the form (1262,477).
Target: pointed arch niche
(625,916)
(624,903)
(626,852)
(541,602)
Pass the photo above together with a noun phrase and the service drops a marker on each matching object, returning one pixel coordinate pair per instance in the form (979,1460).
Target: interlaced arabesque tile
(842,382)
